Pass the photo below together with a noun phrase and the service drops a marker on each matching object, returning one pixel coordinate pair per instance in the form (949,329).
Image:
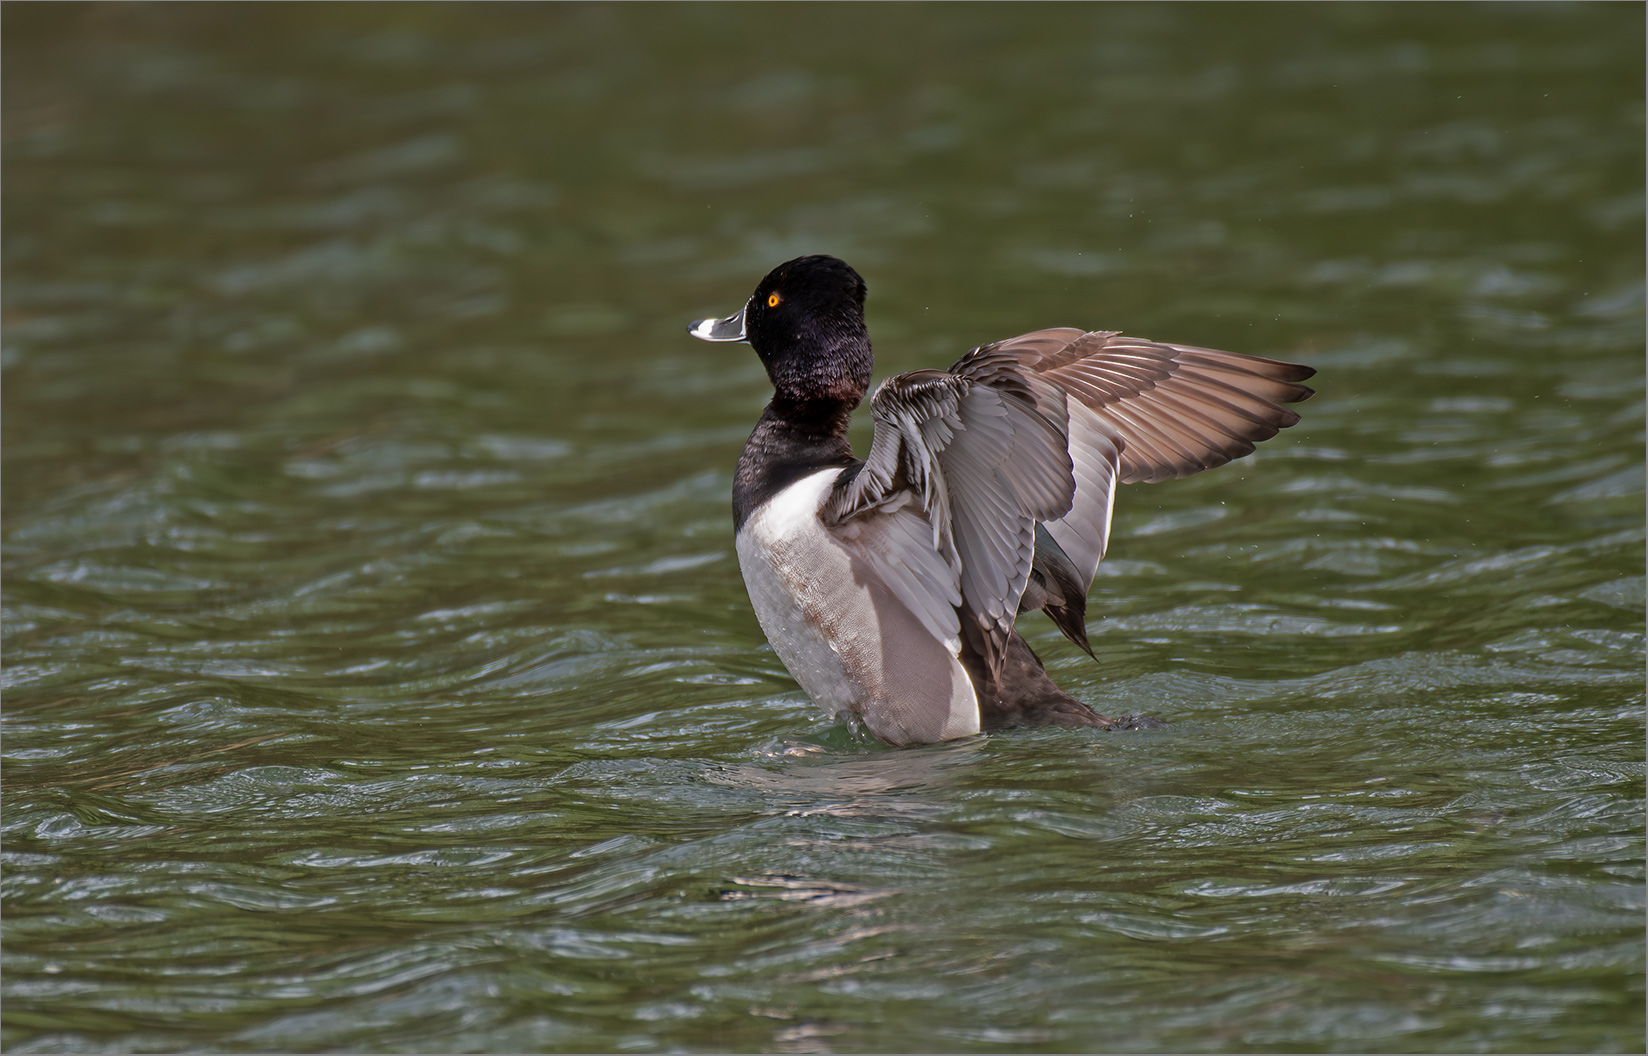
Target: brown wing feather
(1177,409)
(1138,411)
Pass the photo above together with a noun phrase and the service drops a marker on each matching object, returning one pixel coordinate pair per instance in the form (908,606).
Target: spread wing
(984,448)
(1015,452)
(1142,411)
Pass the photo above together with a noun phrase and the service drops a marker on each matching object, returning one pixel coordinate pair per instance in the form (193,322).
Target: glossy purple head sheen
(806,322)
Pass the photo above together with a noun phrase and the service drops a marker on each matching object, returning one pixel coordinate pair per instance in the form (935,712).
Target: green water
(378,674)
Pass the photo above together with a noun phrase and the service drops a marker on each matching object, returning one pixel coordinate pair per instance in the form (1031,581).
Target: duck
(889,585)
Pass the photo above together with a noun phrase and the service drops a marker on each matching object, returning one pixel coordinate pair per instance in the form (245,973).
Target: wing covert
(984,450)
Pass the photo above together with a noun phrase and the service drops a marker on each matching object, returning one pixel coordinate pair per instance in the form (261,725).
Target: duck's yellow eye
(773,299)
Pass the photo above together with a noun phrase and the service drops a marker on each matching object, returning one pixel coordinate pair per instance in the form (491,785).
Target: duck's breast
(862,615)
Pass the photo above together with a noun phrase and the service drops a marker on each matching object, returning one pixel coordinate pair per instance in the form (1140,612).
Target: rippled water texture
(378,674)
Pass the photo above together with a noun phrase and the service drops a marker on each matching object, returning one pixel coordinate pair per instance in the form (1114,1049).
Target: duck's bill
(729,329)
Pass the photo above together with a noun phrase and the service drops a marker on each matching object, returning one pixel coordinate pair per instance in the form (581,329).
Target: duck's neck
(791,441)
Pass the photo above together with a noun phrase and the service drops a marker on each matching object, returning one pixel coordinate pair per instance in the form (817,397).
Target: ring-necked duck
(889,585)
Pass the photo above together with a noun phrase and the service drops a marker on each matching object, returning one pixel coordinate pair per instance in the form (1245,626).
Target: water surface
(378,675)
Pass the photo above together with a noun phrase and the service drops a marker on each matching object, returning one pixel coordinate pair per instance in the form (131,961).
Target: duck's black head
(806,322)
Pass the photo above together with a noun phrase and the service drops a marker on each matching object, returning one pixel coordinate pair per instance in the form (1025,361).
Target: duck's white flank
(862,616)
